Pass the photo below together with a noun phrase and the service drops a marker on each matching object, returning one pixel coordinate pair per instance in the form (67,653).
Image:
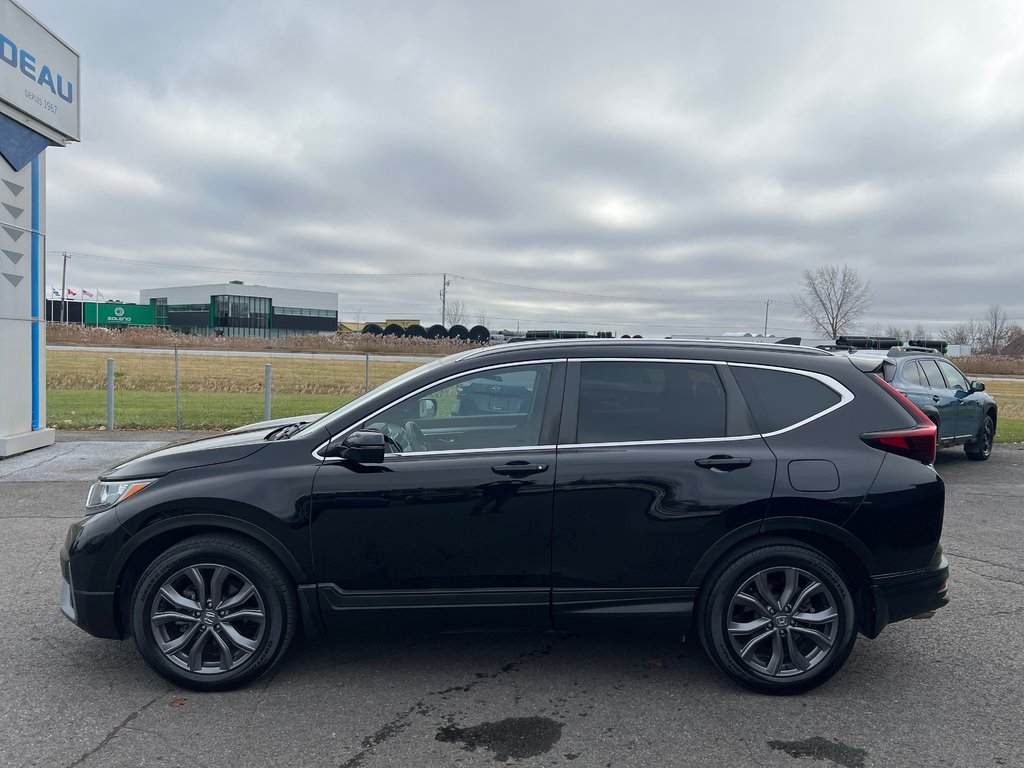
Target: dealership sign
(39,75)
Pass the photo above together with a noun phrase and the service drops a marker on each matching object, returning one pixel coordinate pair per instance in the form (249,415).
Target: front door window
(492,409)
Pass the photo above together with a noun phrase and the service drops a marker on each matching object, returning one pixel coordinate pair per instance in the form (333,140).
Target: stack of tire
(478,333)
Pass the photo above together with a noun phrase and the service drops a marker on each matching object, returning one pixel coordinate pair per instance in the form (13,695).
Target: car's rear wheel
(981,448)
(777,618)
(213,612)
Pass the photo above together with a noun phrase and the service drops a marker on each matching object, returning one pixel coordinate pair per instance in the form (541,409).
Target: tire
(194,644)
(777,654)
(981,447)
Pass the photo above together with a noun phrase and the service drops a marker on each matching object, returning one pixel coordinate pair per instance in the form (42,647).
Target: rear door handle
(723,463)
(519,469)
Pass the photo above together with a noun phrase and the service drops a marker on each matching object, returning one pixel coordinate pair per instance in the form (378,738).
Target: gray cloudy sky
(680,162)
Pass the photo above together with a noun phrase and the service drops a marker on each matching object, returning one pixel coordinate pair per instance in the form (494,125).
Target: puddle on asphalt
(823,749)
(512,738)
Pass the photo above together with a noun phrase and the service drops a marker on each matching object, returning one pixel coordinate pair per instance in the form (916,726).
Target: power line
(443,275)
(557,292)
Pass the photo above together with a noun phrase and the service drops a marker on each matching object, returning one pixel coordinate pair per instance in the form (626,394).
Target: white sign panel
(38,71)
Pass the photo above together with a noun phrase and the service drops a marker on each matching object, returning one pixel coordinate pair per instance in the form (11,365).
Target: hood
(211,450)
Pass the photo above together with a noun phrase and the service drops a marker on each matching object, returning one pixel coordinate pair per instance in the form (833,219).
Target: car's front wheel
(213,612)
(981,447)
(777,618)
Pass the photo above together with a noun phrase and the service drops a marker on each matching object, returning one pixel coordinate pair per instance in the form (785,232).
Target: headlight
(105,495)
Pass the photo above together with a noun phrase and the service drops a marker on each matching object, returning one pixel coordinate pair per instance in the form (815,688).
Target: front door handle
(518,469)
(723,463)
(936,398)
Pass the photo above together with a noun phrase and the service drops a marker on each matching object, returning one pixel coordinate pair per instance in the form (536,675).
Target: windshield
(340,414)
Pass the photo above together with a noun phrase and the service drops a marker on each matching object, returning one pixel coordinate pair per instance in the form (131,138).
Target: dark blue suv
(961,409)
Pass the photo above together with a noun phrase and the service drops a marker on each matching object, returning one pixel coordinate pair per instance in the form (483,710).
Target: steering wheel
(417,440)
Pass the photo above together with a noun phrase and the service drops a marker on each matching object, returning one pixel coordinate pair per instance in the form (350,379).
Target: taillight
(917,442)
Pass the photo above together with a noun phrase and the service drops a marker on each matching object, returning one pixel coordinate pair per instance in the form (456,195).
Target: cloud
(692,159)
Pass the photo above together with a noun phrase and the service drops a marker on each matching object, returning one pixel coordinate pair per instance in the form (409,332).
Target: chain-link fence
(197,389)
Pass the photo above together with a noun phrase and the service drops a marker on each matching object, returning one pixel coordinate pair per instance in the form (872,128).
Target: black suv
(963,413)
(772,501)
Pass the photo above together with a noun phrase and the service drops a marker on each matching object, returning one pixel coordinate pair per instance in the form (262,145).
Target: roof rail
(901,351)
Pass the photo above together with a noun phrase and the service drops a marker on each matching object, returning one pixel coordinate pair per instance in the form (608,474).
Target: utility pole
(63,288)
(445,282)
(766,305)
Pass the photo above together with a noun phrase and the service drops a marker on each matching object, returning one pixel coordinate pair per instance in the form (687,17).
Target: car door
(969,406)
(943,399)
(440,531)
(657,461)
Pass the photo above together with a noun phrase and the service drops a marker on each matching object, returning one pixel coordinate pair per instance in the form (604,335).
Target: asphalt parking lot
(943,692)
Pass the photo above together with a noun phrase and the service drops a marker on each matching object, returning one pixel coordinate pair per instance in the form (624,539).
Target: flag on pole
(54,292)
(88,294)
(72,294)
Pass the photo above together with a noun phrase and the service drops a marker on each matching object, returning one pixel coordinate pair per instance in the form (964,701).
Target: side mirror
(977,386)
(360,447)
(428,408)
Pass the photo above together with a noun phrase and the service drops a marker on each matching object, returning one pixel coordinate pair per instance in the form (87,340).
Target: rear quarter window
(912,374)
(780,399)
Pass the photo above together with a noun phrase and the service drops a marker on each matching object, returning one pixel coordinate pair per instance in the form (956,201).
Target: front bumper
(904,596)
(95,612)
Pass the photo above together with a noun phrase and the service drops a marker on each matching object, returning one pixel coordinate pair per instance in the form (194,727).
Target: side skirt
(346,610)
(654,610)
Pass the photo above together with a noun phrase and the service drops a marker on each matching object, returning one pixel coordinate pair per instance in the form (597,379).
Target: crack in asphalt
(986,562)
(14,472)
(993,578)
(169,744)
(403,720)
(118,728)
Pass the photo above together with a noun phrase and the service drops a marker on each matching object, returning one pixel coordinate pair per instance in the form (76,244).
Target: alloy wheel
(782,622)
(208,618)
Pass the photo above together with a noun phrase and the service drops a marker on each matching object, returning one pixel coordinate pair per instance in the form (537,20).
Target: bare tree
(920,334)
(994,330)
(834,299)
(481,316)
(357,314)
(961,333)
(456,312)
(895,332)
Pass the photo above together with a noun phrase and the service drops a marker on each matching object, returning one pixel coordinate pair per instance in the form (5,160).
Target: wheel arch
(852,557)
(143,548)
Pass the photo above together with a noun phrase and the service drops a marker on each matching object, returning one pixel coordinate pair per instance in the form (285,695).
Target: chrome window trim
(462,451)
(318,455)
(845,396)
(678,441)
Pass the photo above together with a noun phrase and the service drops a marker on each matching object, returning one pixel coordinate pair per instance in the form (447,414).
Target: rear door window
(780,399)
(635,401)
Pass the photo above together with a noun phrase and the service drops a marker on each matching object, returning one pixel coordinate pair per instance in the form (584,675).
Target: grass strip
(87,408)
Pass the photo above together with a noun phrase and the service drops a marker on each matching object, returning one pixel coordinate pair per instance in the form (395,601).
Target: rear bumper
(902,596)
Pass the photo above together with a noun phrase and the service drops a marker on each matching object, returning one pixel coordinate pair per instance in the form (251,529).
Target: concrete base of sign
(26,441)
